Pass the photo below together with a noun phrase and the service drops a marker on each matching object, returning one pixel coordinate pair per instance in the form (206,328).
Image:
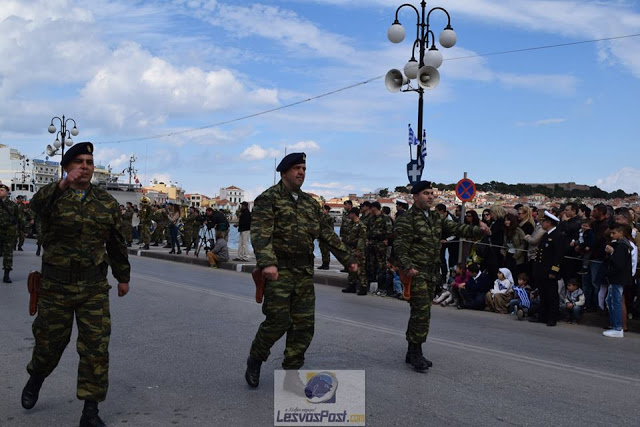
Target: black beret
(290,160)
(422,185)
(19,197)
(76,150)
(4,186)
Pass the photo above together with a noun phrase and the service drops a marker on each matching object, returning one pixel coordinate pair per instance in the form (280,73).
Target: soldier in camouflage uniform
(161,219)
(285,223)
(144,228)
(346,222)
(22,230)
(417,248)
(379,233)
(190,226)
(357,241)
(82,229)
(324,248)
(9,222)
(127,224)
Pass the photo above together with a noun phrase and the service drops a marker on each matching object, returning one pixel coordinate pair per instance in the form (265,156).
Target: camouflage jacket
(24,213)
(283,230)
(161,218)
(417,238)
(357,237)
(191,222)
(80,234)
(10,217)
(127,217)
(329,220)
(345,225)
(379,228)
(145,215)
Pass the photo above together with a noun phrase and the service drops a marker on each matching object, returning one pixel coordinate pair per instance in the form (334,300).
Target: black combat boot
(20,248)
(38,250)
(31,391)
(90,416)
(179,250)
(6,278)
(324,267)
(351,289)
(416,359)
(155,244)
(252,375)
(146,246)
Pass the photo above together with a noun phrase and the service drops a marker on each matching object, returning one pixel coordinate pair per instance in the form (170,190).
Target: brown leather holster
(406,284)
(258,279)
(33,286)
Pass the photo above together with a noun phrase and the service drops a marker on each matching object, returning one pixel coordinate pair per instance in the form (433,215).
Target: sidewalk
(331,277)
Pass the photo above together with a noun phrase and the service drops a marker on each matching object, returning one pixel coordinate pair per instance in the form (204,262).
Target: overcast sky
(136,69)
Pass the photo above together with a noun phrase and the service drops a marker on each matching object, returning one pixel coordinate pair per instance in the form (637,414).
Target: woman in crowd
(514,246)
(174,217)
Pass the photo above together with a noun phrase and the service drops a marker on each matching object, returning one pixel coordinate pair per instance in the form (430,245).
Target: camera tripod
(206,239)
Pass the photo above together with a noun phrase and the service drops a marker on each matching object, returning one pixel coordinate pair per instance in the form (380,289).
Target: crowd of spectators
(598,272)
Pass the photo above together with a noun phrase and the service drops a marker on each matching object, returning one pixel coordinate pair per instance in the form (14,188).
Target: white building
(233,194)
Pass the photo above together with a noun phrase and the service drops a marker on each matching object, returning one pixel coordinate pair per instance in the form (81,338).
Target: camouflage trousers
(127,232)
(7,243)
(289,307)
(325,253)
(58,304)
(376,260)
(359,277)
(19,240)
(423,289)
(145,234)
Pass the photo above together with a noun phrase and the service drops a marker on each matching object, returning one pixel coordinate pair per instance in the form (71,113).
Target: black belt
(294,261)
(96,273)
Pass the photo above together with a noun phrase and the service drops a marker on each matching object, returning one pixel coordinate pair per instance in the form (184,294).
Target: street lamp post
(63,137)
(425,69)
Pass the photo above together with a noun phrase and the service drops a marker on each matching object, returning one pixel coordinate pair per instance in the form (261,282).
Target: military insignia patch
(89,148)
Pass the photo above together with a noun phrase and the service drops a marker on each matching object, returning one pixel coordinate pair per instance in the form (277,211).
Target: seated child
(459,280)
(520,304)
(474,290)
(573,301)
(445,296)
(498,298)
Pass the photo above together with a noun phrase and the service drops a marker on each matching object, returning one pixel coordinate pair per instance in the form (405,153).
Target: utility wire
(333,92)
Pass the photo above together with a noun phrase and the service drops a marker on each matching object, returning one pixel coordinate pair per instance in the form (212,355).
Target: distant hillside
(568,190)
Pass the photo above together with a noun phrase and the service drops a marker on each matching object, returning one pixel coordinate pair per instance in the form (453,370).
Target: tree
(401,189)
(384,192)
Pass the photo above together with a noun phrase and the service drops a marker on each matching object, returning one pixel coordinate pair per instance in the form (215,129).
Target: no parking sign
(465,190)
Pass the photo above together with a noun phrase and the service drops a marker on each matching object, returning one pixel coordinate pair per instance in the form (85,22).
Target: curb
(332,278)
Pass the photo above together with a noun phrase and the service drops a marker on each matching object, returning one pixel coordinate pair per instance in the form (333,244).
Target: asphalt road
(181,337)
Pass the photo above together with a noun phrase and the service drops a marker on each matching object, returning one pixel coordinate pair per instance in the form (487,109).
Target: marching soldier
(127,223)
(357,241)
(190,224)
(417,247)
(379,233)
(324,248)
(546,268)
(22,230)
(346,222)
(9,223)
(285,223)
(145,221)
(160,217)
(82,227)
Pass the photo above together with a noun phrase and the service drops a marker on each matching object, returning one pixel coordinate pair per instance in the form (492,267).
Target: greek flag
(412,138)
(523,296)
(423,150)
